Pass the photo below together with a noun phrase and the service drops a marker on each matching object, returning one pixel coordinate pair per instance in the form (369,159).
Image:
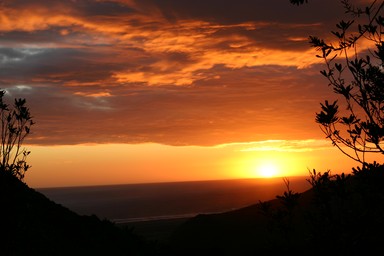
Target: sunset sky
(128,91)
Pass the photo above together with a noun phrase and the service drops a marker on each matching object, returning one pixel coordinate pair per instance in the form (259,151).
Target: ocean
(162,201)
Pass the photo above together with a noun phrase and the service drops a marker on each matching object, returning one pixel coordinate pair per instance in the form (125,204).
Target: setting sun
(263,162)
(267,170)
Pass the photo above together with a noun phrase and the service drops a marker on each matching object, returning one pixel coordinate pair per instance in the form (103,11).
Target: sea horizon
(125,203)
(267,179)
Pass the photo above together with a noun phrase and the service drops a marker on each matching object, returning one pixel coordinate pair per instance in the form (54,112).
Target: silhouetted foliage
(280,219)
(298,2)
(289,198)
(16,122)
(357,75)
(341,214)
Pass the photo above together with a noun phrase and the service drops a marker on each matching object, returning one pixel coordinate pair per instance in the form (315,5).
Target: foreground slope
(31,224)
(339,215)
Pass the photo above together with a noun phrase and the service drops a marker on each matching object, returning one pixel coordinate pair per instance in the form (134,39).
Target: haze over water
(154,201)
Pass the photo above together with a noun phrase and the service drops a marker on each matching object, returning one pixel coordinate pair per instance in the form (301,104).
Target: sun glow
(267,170)
(269,164)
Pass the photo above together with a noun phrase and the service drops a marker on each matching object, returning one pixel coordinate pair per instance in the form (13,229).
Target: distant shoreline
(162,217)
(159,230)
(171,182)
(133,203)
(153,218)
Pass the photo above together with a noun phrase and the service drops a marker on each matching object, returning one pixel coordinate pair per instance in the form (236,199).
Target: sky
(132,91)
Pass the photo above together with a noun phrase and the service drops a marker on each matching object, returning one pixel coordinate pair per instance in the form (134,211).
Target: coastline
(158,230)
(153,218)
(154,211)
(147,202)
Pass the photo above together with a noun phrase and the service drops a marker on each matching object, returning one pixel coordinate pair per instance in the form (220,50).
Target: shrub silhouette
(16,122)
(280,220)
(298,2)
(357,76)
(344,214)
(32,224)
(341,214)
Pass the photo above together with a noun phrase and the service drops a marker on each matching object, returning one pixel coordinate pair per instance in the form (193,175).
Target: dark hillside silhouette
(31,224)
(339,215)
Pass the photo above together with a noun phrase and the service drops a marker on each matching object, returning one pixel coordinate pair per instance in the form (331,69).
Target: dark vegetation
(340,214)
(31,224)
(16,122)
(357,77)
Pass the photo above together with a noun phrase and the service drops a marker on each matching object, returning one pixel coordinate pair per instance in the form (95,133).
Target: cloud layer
(175,72)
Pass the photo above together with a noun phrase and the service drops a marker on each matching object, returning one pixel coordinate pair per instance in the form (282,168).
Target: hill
(339,215)
(31,224)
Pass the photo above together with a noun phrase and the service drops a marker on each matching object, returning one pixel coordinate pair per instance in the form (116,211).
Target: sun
(267,170)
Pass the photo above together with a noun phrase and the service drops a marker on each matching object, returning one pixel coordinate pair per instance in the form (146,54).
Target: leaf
(338,67)
(328,115)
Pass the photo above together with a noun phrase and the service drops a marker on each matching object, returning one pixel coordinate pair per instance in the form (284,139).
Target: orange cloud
(95,95)
(158,72)
(208,44)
